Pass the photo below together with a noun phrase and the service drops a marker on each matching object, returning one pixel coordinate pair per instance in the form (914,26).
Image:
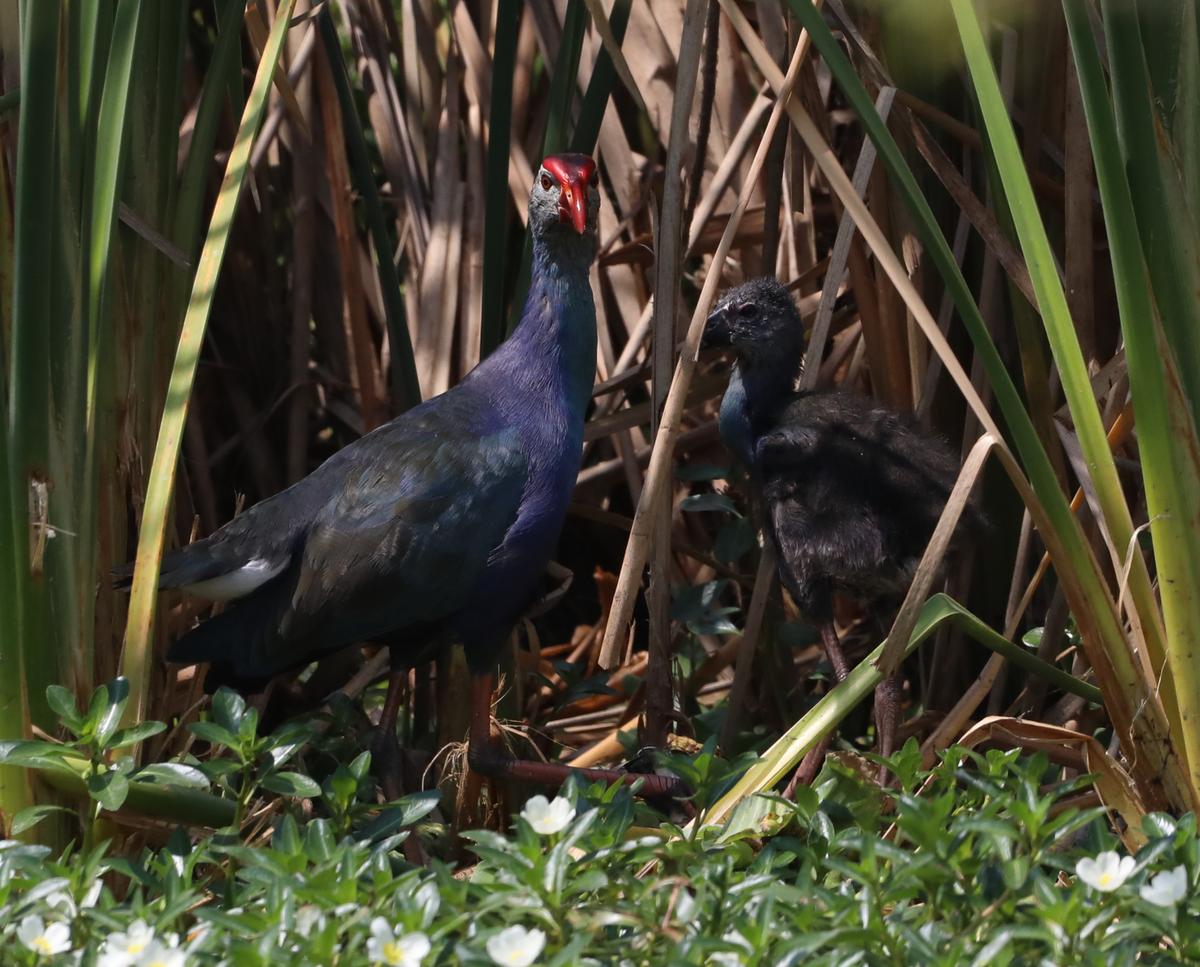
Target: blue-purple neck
(550,358)
(757,387)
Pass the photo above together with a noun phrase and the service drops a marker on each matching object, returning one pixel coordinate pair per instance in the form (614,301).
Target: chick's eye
(747,310)
(547,184)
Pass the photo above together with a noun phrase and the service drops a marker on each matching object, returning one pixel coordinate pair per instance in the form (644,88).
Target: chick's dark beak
(716,330)
(573,205)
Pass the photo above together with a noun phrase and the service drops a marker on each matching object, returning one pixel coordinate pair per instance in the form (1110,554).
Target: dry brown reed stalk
(637,551)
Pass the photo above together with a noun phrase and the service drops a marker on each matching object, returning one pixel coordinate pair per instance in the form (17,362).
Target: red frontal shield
(574,172)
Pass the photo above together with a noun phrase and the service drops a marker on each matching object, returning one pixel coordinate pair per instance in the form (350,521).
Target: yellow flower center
(1105,879)
(42,945)
(392,953)
(136,947)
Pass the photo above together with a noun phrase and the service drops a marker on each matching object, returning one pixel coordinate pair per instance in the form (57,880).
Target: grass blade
(495,225)
(404,370)
(28,413)
(604,76)
(1166,433)
(558,119)
(1163,219)
(135,661)
(1056,317)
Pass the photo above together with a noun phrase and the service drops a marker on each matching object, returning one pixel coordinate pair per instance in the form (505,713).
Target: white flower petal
(516,946)
(1107,872)
(159,954)
(1166,889)
(548,818)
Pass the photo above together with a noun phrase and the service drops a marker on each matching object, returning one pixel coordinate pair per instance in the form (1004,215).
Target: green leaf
(734,540)
(176,774)
(228,707)
(32,815)
(286,837)
(135,734)
(105,709)
(211,732)
(109,789)
(696,472)
(319,843)
(698,607)
(291,784)
(709,501)
(343,785)
(62,703)
(361,765)
(36,754)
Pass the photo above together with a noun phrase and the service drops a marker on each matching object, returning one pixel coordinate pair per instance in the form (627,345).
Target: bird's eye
(547,184)
(747,310)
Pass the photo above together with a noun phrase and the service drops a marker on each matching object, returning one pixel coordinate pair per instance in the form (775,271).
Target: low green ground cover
(978,862)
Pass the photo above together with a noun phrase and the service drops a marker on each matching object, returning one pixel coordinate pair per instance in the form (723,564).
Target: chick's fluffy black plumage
(851,491)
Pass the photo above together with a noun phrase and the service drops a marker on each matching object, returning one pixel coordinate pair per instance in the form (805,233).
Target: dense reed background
(234,237)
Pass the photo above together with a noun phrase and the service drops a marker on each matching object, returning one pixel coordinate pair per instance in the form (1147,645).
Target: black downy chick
(850,490)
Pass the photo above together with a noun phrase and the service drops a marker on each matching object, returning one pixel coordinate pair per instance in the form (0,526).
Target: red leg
(833,650)
(887,713)
(487,760)
(386,748)
(810,765)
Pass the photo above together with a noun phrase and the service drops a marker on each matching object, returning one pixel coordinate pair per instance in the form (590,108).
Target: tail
(241,644)
(188,565)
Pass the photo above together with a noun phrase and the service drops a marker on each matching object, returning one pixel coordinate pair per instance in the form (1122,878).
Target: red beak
(573,172)
(572,204)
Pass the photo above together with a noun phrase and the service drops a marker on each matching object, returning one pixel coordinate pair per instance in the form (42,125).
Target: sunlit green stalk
(1056,317)
(1170,452)
(187,806)
(139,634)
(1162,218)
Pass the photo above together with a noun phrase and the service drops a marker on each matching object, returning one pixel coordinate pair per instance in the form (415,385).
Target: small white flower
(428,900)
(158,954)
(307,917)
(45,941)
(685,907)
(516,946)
(730,958)
(384,947)
(548,818)
(125,949)
(1166,889)
(92,895)
(1106,872)
(61,901)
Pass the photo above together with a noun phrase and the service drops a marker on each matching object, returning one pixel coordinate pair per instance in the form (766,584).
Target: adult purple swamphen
(435,527)
(850,491)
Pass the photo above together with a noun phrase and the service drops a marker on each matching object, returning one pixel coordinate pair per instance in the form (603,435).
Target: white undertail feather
(237,584)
